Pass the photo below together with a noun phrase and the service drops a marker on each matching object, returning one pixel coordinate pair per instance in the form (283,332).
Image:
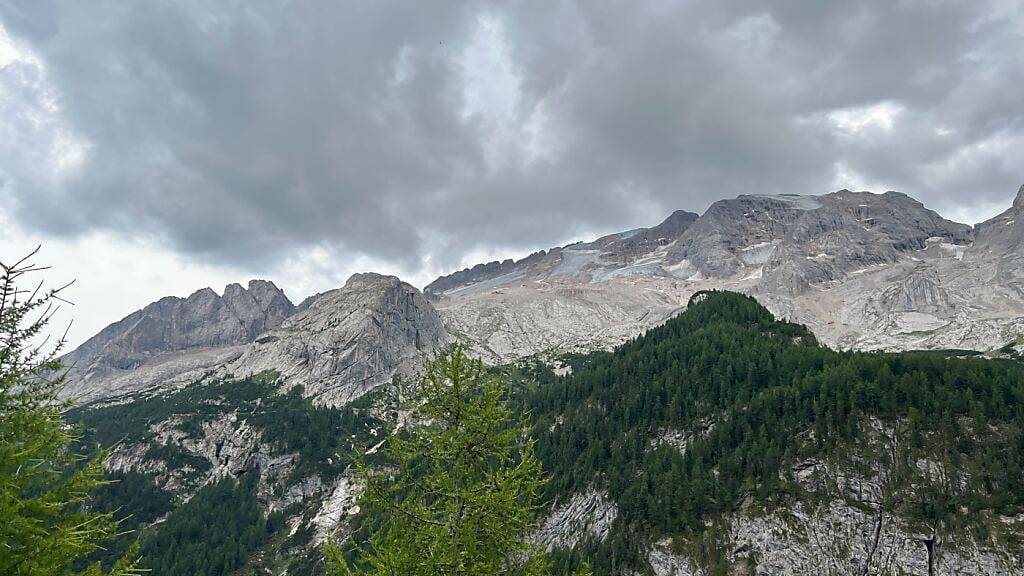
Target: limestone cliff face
(856,525)
(204,319)
(862,270)
(855,521)
(1000,243)
(337,345)
(347,341)
(173,327)
(584,516)
(228,445)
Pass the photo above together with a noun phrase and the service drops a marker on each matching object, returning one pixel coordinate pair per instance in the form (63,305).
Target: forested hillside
(726,408)
(725,439)
(223,476)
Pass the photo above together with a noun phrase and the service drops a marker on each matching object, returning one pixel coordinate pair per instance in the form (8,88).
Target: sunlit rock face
(863,270)
(345,342)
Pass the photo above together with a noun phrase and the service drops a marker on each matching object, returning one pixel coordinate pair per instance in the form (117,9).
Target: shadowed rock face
(1001,241)
(850,230)
(173,325)
(347,341)
(337,345)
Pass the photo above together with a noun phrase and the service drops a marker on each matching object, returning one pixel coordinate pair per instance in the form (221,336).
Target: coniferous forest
(752,395)
(757,395)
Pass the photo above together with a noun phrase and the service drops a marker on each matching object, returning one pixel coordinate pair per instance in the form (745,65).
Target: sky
(154,148)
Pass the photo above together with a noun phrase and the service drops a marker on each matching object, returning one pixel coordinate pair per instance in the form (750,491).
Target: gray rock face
(232,447)
(1000,242)
(837,539)
(347,341)
(862,270)
(785,235)
(229,444)
(588,515)
(338,345)
(855,525)
(608,253)
(173,326)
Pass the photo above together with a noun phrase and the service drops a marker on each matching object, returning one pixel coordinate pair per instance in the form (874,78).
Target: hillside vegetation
(719,408)
(214,522)
(722,410)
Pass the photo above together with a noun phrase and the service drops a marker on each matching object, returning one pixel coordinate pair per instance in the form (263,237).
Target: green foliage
(46,526)
(136,500)
(213,534)
(459,483)
(323,438)
(133,491)
(754,395)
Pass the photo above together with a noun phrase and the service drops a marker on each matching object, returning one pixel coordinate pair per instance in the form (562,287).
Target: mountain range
(195,392)
(863,271)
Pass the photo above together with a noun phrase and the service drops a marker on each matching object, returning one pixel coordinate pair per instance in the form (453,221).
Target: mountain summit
(347,341)
(863,270)
(338,344)
(197,326)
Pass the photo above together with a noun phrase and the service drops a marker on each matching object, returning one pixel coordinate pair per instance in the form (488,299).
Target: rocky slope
(849,532)
(174,335)
(863,270)
(337,345)
(347,341)
(296,454)
(853,526)
(868,271)
(998,243)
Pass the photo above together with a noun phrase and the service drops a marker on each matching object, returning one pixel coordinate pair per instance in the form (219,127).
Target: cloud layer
(252,134)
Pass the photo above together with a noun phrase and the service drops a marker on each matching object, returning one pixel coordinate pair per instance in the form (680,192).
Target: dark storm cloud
(413,132)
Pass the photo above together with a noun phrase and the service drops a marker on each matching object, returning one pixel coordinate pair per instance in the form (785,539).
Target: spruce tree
(45,484)
(457,493)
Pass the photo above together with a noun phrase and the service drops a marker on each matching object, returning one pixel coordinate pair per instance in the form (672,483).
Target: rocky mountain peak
(262,286)
(998,242)
(864,269)
(371,280)
(811,238)
(677,222)
(172,325)
(344,342)
(263,306)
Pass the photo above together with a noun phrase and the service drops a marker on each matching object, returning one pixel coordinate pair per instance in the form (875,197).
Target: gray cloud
(415,132)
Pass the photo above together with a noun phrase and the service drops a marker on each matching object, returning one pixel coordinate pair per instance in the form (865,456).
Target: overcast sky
(156,147)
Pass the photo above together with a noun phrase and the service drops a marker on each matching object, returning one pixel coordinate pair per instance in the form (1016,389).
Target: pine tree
(459,490)
(45,524)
